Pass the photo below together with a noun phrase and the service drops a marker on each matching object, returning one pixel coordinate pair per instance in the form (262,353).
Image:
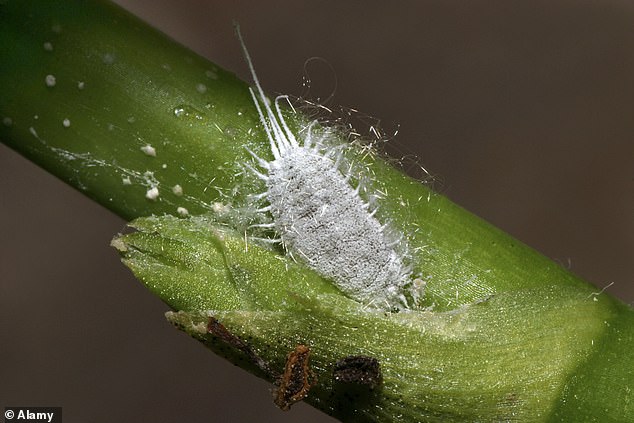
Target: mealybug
(318,215)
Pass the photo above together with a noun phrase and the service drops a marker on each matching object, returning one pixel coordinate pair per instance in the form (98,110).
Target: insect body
(320,217)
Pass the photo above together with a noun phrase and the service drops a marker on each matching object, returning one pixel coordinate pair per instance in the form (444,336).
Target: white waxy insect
(320,218)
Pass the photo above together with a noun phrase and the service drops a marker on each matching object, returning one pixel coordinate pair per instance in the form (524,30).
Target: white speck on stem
(220,208)
(81,85)
(152,194)
(211,74)
(48,46)
(201,88)
(182,211)
(126,181)
(50,80)
(149,150)
(177,190)
(216,207)
(66,123)
(108,58)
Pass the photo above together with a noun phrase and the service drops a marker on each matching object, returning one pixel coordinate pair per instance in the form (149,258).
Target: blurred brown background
(524,112)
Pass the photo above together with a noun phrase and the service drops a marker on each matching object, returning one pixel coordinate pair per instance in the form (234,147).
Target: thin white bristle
(265,124)
(263,225)
(289,134)
(261,162)
(257,173)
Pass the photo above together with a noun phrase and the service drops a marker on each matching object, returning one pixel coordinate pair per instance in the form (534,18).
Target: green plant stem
(507,334)
(128,100)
